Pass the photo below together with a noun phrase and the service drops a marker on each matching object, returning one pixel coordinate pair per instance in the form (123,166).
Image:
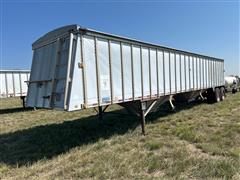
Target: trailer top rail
(14,71)
(60,32)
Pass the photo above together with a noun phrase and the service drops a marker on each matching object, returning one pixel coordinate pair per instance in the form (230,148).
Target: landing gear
(23,101)
(142,110)
(100,113)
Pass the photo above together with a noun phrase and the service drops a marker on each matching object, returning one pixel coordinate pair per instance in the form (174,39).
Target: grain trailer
(74,68)
(13,83)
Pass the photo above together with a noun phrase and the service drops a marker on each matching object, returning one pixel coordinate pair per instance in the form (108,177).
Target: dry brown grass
(199,141)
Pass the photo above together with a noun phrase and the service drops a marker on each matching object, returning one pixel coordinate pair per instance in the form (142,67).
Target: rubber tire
(217,95)
(209,94)
(222,93)
(233,91)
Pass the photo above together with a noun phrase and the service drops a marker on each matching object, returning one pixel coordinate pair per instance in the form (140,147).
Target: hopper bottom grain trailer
(75,68)
(13,83)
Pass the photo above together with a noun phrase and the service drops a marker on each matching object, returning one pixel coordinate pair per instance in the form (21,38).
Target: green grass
(199,141)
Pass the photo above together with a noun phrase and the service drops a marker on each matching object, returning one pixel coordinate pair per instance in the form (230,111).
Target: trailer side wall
(93,69)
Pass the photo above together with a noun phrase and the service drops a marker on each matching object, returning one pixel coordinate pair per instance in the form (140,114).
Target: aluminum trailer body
(75,68)
(13,83)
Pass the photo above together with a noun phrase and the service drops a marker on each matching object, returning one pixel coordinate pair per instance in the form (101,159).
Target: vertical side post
(175,68)
(164,79)
(97,71)
(83,71)
(142,113)
(200,70)
(6,83)
(180,66)
(14,90)
(185,73)
(132,71)
(122,72)
(189,71)
(193,72)
(197,69)
(150,76)
(170,81)
(68,71)
(20,83)
(205,72)
(58,54)
(142,87)
(110,70)
(157,73)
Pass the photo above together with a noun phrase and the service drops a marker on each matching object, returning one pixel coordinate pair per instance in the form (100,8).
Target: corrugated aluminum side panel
(117,72)
(137,72)
(76,94)
(172,74)
(90,70)
(48,75)
(205,72)
(161,77)
(24,79)
(145,72)
(10,83)
(167,72)
(3,87)
(183,73)
(103,71)
(198,73)
(127,72)
(42,71)
(191,69)
(195,73)
(153,70)
(16,80)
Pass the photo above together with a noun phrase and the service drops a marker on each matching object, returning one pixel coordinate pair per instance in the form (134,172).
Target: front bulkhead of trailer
(75,68)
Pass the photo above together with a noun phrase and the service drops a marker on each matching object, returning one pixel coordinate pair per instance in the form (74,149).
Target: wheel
(222,93)
(210,95)
(233,90)
(217,95)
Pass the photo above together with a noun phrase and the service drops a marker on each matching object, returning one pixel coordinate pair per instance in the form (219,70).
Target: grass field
(199,141)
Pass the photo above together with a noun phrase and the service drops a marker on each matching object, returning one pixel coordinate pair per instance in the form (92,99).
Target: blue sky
(209,28)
